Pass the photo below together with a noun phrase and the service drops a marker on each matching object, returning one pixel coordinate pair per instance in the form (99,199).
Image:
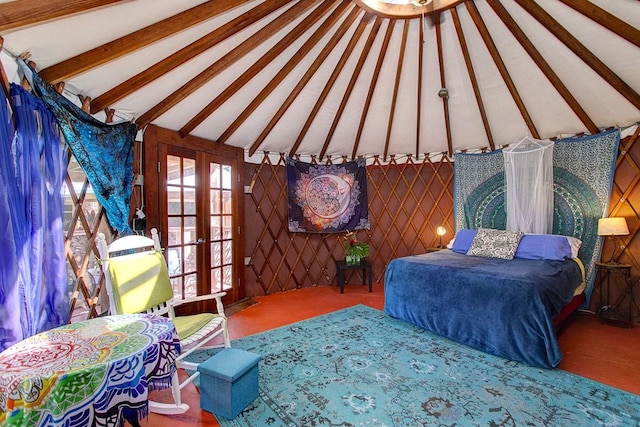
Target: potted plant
(354,250)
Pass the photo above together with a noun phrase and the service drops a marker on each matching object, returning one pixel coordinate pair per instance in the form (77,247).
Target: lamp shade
(614,226)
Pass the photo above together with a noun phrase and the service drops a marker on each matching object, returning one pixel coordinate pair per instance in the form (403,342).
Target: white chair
(137,280)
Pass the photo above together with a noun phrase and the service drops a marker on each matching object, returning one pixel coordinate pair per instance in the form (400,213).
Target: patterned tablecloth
(90,373)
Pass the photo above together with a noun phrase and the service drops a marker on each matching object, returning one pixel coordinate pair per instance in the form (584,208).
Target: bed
(504,307)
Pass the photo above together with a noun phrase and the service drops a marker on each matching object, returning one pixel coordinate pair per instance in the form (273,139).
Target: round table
(94,372)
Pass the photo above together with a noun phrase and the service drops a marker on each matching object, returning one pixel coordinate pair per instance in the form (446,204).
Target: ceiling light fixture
(405,8)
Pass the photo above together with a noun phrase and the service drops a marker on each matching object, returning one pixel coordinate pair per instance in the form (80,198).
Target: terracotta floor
(602,352)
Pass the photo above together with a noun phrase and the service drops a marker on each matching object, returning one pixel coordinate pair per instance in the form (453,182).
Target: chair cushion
(140,281)
(189,325)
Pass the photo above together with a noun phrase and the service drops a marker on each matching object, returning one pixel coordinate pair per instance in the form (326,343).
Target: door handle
(199,241)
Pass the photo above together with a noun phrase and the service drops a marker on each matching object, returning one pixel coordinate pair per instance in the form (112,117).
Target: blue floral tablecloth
(90,373)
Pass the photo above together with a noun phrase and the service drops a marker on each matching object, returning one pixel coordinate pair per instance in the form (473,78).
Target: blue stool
(228,382)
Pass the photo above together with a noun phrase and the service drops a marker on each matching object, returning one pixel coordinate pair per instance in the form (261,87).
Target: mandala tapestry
(327,198)
(582,177)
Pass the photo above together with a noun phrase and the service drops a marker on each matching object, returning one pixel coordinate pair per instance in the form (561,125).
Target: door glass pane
(227,251)
(190,265)
(173,170)
(174,260)
(189,172)
(176,284)
(215,228)
(214,175)
(216,279)
(190,289)
(190,229)
(226,177)
(215,254)
(227,275)
(215,202)
(227,202)
(175,231)
(174,200)
(226,226)
(189,195)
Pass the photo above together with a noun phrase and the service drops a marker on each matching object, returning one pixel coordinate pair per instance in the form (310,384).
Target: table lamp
(613,226)
(440,231)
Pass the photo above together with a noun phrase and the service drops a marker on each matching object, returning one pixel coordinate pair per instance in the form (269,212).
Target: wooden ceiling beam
(332,80)
(355,75)
(317,63)
(472,77)
(304,50)
(502,68)
(396,88)
(607,20)
(374,82)
(546,69)
(421,45)
(185,54)
(580,50)
(257,66)
(16,14)
(443,84)
(138,39)
(226,61)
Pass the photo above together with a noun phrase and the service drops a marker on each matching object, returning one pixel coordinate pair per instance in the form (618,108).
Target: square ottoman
(228,382)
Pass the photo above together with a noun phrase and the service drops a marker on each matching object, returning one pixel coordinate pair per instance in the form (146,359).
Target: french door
(198,219)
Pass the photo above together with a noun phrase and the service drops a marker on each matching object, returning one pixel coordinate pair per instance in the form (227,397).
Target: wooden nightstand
(618,311)
(364,266)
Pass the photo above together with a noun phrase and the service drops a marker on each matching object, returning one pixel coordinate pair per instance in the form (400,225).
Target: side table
(615,311)
(365,266)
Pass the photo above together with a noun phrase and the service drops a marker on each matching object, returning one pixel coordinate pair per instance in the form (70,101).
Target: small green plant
(355,250)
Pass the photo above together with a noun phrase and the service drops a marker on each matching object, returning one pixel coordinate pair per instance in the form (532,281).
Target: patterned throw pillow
(495,243)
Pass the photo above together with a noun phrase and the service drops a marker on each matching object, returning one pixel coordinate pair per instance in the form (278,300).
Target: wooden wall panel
(407,201)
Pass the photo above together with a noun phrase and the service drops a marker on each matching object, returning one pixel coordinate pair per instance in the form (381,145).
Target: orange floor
(602,352)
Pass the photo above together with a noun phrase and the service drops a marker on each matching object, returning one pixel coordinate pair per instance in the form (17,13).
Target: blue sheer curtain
(33,291)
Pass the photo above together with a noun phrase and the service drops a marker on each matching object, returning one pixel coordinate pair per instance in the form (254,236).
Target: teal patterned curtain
(583,171)
(103,151)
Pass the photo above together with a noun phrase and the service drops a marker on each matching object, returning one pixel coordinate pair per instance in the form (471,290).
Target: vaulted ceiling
(341,77)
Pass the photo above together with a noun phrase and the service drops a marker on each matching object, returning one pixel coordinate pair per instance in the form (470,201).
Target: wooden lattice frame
(407,201)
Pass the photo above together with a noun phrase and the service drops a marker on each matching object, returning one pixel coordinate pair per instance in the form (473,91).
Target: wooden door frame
(153,136)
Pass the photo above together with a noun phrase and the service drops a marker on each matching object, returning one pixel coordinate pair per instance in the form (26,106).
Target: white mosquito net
(528,166)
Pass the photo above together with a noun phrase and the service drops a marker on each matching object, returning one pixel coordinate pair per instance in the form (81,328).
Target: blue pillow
(463,240)
(544,246)
(532,246)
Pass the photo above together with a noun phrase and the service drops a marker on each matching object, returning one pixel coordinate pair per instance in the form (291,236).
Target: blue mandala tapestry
(104,151)
(583,171)
(327,198)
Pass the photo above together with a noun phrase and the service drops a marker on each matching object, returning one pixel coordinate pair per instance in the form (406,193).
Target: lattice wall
(84,218)
(407,201)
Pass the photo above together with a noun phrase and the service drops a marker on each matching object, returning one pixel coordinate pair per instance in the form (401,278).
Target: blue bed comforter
(502,307)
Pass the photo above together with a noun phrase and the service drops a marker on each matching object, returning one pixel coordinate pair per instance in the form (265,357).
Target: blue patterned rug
(359,367)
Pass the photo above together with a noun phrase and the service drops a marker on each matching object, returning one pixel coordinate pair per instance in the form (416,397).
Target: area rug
(360,367)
